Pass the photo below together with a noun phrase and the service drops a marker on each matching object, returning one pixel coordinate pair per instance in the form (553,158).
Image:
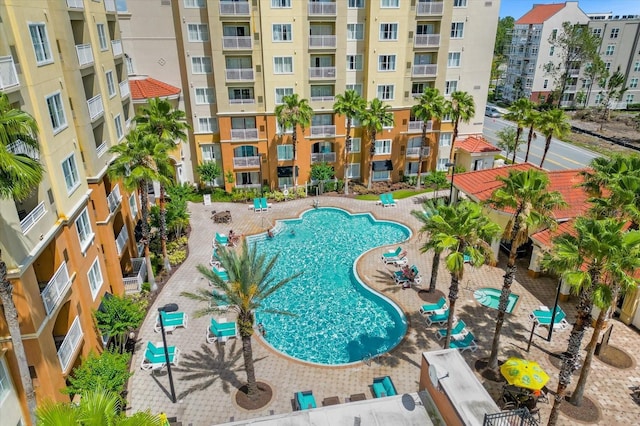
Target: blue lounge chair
(155,358)
(257,207)
(304,400)
(390,201)
(383,386)
(439,317)
(468,342)
(222,239)
(381,199)
(543,318)
(457,332)
(171,321)
(400,278)
(429,308)
(221,273)
(265,205)
(221,331)
(393,255)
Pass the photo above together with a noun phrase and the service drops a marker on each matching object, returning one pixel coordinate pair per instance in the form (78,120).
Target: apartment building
(235,60)
(72,240)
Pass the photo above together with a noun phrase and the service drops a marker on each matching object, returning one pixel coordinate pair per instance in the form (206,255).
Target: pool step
(278,229)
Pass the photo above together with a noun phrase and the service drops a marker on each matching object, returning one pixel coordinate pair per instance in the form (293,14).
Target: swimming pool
(490,297)
(337,319)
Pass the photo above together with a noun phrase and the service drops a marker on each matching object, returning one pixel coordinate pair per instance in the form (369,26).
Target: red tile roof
(540,13)
(475,145)
(149,88)
(545,237)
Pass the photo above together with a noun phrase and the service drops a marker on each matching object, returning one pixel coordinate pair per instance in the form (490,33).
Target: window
(629,98)
(283,65)
(133,205)
(277,4)
(457,29)
(382,175)
(355,31)
(241,94)
(281,92)
(610,49)
(388,31)
(198,32)
(200,64)
(356,4)
(551,50)
(417,89)
(285,152)
(459,3)
(129,61)
(554,34)
(5,381)
(353,170)
(40,43)
(445,139)
(355,87)
(383,147)
(598,98)
(281,131)
(322,92)
(117,120)
(411,168)
(56,112)
(207,125)
(204,96)
(386,92)
(355,145)
(354,62)
(70,172)
(633,83)
(111,86)
(207,152)
(102,37)
(597,32)
(454,60)
(450,86)
(282,32)
(83,226)
(614,32)
(386,62)
(389,3)
(95,278)
(607,66)
(545,84)
(195,4)
(636,66)
(441,166)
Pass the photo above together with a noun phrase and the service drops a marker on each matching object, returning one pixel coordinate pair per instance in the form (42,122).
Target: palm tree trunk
(247,353)
(11,318)
(347,144)
(502,305)
(294,146)
(453,141)
(424,137)
(526,157)
(144,210)
(547,144)
(435,264)
(372,151)
(515,147)
(163,230)
(453,295)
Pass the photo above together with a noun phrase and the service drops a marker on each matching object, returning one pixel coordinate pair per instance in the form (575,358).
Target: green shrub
(177,257)
(145,288)
(118,316)
(633,107)
(108,371)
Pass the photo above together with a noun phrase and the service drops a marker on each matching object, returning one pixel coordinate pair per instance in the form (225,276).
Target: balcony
(244,134)
(113,200)
(416,126)
(75,4)
(322,72)
(8,73)
(242,101)
(236,42)
(56,288)
(19,147)
(121,240)
(322,42)
(234,8)
(32,218)
(426,40)
(102,149)
(239,74)
(322,131)
(116,47)
(110,6)
(571,88)
(246,162)
(323,98)
(429,8)
(70,344)
(85,54)
(96,107)
(124,89)
(320,157)
(133,282)
(574,72)
(428,70)
(415,151)
(322,9)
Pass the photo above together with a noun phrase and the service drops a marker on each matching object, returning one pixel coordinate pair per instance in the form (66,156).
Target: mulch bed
(587,412)
(263,398)
(615,357)
(430,297)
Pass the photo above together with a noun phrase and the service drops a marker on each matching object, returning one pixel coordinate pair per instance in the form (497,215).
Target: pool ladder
(371,357)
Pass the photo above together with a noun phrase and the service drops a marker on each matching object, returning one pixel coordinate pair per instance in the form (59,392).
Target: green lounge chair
(457,332)
(468,342)
(392,255)
(265,205)
(429,308)
(221,331)
(383,386)
(543,318)
(304,400)
(222,239)
(257,207)
(155,358)
(439,317)
(171,321)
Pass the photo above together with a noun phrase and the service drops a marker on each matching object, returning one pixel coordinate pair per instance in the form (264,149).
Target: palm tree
(527,194)
(553,122)
(374,119)
(462,108)
(19,176)
(250,283)
(291,114)
(430,208)
(462,229)
(169,124)
(351,105)
(531,121)
(518,112)
(431,105)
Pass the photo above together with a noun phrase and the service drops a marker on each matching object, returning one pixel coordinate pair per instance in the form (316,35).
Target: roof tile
(148,88)
(474,145)
(540,13)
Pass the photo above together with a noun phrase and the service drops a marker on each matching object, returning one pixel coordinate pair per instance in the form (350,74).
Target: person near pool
(269,233)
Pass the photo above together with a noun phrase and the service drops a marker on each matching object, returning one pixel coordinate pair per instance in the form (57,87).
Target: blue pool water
(337,319)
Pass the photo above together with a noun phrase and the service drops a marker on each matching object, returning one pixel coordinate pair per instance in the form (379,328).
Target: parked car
(490,111)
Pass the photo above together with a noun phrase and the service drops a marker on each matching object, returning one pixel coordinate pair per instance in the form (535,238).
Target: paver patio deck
(208,374)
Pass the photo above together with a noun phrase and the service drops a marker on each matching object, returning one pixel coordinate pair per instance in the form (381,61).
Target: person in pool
(269,233)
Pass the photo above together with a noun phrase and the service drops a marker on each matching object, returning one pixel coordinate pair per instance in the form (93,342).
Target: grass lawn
(397,195)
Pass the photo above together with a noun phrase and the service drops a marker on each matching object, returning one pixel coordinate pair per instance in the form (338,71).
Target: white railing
(573,72)
(571,88)
(322,9)
(56,288)
(110,6)
(426,40)
(236,42)
(246,162)
(75,4)
(85,54)
(323,130)
(8,73)
(416,126)
(32,218)
(70,344)
(322,41)
(234,8)
(121,240)
(234,101)
(319,157)
(113,200)
(322,98)
(19,147)
(429,8)
(96,107)
(102,148)
(244,134)
(239,74)
(133,282)
(427,69)
(124,89)
(116,47)
(140,248)
(322,72)
(248,185)
(413,152)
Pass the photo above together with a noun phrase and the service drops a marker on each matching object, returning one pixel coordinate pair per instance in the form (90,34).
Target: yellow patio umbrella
(524,374)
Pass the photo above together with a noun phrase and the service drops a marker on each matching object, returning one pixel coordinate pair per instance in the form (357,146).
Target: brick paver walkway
(210,375)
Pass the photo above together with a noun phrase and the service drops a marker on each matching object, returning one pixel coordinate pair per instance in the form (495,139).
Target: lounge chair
(221,273)
(155,358)
(543,318)
(383,386)
(257,207)
(392,256)
(441,316)
(400,278)
(265,205)
(171,321)
(391,201)
(304,400)
(221,331)
(221,239)
(381,199)
(458,332)
(429,308)
(468,342)
(222,302)
(387,200)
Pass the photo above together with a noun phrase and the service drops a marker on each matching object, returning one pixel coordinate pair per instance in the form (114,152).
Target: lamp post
(453,172)
(170,307)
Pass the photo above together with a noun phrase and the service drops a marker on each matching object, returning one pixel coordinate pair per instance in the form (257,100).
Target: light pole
(453,172)
(169,307)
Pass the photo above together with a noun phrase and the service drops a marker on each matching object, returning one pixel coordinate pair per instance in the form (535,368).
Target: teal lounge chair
(155,358)
(439,317)
(543,318)
(381,199)
(457,332)
(222,239)
(221,273)
(221,301)
(391,201)
(304,400)
(257,207)
(265,205)
(468,342)
(383,386)
(392,255)
(428,309)
(387,200)
(400,278)
(221,331)
(171,321)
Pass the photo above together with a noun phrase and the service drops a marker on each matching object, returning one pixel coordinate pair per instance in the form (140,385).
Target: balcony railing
(246,162)
(56,288)
(571,88)
(322,98)
(121,240)
(425,70)
(426,40)
(110,6)
(8,73)
(429,8)
(322,9)
(413,152)
(70,344)
(322,41)
(114,199)
(32,218)
(236,42)
(416,126)
(75,4)
(329,130)
(573,72)
(96,107)
(244,134)
(124,89)
(239,74)
(19,147)
(85,54)
(241,101)
(322,72)
(133,282)
(116,47)
(234,8)
(101,149)
(319,157)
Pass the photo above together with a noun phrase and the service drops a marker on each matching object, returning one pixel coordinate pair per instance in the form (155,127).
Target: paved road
(561,155)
